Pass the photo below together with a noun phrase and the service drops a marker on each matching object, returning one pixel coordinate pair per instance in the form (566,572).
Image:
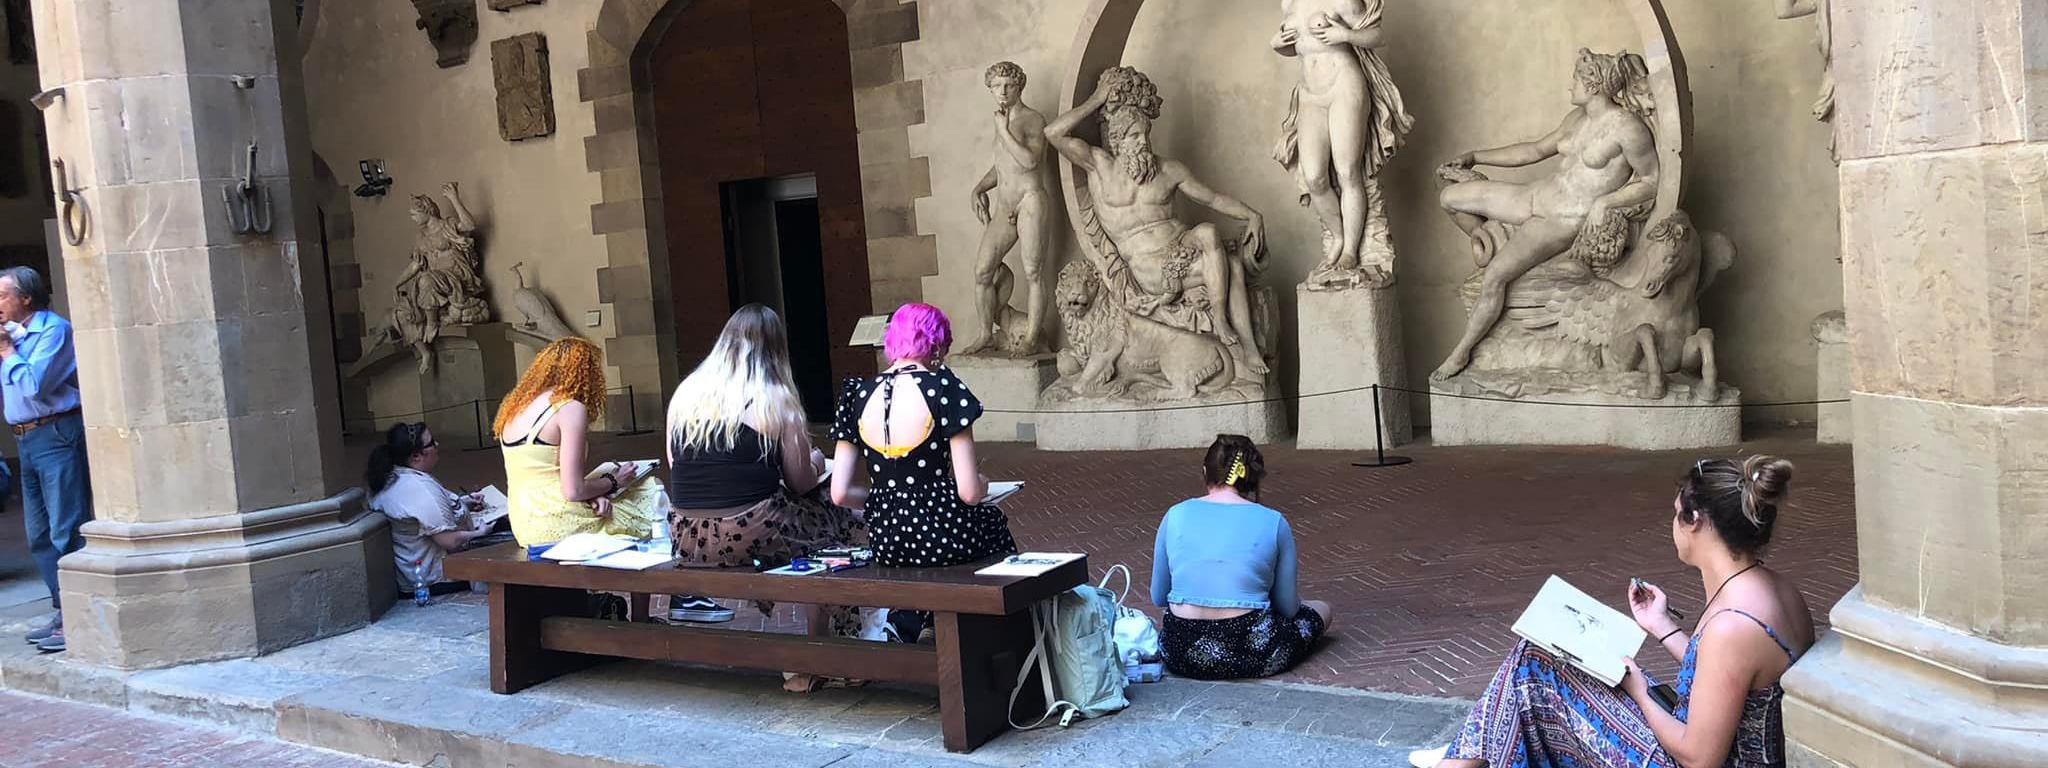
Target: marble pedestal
(1465,415)
(155,594)
(449,393)
(1116,424)
(1351,338)
(1006,384)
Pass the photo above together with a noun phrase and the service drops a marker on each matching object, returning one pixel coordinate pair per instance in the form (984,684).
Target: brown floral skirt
(768,534)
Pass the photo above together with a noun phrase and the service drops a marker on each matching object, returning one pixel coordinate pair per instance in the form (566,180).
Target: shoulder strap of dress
(547,414)
(1766,627)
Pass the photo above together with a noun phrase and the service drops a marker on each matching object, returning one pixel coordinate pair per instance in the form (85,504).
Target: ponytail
(401,442)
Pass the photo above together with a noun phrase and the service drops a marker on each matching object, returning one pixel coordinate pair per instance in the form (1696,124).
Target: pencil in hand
(1639,590)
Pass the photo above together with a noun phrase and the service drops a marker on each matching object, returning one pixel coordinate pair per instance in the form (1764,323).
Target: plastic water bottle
(658,540)
(420,595)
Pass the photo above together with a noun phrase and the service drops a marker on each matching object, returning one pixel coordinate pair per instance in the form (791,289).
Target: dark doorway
(747,93)
(775,256)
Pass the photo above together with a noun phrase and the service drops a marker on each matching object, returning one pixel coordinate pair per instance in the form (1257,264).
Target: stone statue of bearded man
(1152,264)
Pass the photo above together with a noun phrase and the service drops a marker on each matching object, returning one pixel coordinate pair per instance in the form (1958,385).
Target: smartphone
(1665,697)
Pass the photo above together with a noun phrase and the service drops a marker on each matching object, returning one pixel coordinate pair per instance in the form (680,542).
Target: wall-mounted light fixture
(376,181)
(46,98)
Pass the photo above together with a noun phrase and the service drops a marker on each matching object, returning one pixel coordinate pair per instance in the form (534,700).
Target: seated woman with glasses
(428,521)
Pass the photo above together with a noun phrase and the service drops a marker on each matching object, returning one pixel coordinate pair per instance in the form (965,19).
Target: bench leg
(517,658)
(637,607)
(978,661)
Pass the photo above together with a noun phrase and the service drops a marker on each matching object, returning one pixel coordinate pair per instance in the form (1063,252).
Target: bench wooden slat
(921,589)
(829,656)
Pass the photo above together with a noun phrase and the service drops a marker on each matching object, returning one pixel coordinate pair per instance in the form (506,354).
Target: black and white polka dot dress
(914,513)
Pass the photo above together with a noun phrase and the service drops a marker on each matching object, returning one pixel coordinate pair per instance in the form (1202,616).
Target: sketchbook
(584,547)
(1581,631)
(642,469)
(1029,563)
(496,506)
(1000,491)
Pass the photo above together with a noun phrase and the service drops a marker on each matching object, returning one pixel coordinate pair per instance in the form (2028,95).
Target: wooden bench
(540,629)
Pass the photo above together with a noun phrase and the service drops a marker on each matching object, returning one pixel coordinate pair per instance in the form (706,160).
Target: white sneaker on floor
(1427,758)
(701,610)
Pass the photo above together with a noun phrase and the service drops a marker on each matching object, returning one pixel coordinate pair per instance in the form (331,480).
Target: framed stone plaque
(526,100)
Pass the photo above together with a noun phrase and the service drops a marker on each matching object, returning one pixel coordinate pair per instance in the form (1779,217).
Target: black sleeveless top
(717,479)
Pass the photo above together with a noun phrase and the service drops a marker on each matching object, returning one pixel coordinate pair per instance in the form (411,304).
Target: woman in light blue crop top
(1224,568)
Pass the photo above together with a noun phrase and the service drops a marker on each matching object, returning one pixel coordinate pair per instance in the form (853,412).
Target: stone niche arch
(662,295)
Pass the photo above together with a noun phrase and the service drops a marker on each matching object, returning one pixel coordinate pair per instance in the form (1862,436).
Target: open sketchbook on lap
(1581,631)
(641,470)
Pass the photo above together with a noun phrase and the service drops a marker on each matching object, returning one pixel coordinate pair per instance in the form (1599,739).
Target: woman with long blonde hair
(744,481)
(543,427)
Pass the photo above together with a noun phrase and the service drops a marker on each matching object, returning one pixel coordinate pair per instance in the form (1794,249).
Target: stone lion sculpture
(1111,353)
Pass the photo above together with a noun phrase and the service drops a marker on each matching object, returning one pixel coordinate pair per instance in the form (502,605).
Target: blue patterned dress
(1538,713)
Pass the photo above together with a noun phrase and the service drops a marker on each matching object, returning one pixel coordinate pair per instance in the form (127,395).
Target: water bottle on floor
(420,595)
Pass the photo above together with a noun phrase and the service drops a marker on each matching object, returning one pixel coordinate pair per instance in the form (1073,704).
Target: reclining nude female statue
(1591,206)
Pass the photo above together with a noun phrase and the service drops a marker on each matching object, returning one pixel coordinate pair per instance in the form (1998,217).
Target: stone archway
(634,279)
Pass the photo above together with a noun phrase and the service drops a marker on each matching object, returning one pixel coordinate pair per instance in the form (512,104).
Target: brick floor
(44,733)
(1427,564)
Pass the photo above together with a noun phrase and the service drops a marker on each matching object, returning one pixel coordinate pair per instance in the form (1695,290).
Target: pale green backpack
(1076,657)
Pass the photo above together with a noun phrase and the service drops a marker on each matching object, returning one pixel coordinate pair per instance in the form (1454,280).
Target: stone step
(241,694)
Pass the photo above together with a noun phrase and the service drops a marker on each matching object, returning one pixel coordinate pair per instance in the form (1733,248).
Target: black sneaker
(701,610)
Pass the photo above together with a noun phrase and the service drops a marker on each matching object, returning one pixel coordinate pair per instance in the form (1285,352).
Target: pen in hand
(1636,589)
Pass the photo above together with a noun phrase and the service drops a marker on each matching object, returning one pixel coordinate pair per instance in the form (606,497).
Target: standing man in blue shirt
(39,389)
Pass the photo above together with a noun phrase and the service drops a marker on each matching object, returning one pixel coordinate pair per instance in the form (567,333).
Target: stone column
(225,525)
(1940,656)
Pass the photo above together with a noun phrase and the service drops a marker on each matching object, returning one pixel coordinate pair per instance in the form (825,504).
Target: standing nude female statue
(1591,205)
(1344,124)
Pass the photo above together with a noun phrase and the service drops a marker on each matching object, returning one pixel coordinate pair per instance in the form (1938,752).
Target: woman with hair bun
(1223,567)
(1729,708)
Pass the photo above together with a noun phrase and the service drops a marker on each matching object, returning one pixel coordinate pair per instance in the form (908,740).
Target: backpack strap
(1042,613)
(1114,570)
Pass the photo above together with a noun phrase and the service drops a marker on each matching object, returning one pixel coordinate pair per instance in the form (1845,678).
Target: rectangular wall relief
(526,99)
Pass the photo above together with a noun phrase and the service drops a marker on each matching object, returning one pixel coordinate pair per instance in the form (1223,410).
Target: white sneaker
(1427,758)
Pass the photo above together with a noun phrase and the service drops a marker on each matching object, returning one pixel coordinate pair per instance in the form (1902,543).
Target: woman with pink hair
(912,429)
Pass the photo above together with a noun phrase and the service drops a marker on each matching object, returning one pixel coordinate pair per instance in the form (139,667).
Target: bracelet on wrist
(1667,635)
(614,483)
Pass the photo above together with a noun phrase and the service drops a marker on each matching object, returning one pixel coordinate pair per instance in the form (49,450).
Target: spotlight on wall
(376,182)
(46,98)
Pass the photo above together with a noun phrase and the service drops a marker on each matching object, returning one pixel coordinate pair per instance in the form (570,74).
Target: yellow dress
(541,515)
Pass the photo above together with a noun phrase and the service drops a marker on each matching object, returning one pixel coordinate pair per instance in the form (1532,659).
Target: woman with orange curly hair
(544,427)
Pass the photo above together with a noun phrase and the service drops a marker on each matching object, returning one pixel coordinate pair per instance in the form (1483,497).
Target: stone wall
(1476,75)
(575,206)
(374,91)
